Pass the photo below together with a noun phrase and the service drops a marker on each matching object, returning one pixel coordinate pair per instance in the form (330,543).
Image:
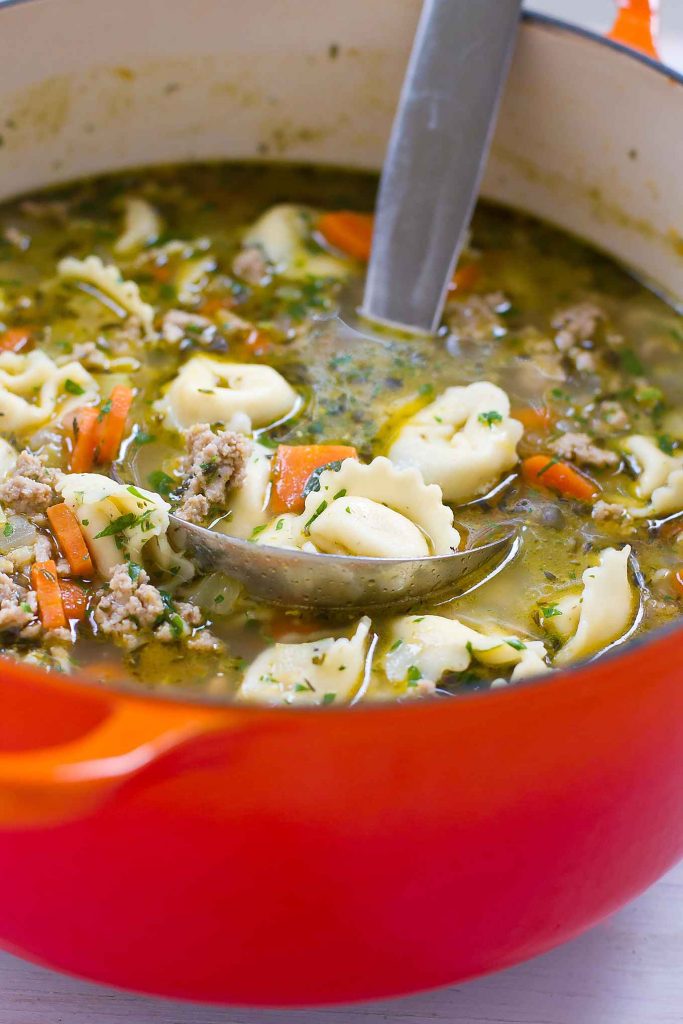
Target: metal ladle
(436,155)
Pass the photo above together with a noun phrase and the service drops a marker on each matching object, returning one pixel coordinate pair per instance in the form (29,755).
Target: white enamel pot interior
(588,138)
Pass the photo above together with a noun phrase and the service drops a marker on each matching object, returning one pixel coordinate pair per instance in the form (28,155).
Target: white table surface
(628,970)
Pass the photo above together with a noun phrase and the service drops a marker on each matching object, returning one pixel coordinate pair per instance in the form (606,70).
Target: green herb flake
(340,494)
(666,444)
(7,530)
(630,363)
(142,437)
(26,608)
(118,525)
(489,418)
(72,387)
(105,409)
(280,523)
(549,611)
(414,674)
(161,482)
(318,512)
(516,645)
(396,644)
(329,698)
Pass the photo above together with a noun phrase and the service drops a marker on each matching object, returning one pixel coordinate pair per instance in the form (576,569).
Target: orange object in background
(85,437)
(16,339)
(351,232)
(293,464)
(111,425)
(636,26)
(532,418)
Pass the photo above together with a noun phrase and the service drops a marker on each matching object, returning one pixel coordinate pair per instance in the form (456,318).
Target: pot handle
(55,784)
(636,26)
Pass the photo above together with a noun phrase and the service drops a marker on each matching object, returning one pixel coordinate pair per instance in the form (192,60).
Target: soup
(166,346)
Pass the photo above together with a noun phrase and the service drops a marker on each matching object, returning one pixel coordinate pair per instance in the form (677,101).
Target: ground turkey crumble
(581,330)
(250,264)
(580,449)
(214,464)
(29,487)
(132,611)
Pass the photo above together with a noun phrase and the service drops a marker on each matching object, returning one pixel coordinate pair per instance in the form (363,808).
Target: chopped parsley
(72,387)
(7,530)
(549,611)
(516,645)
(118,525)
(161,482)
(630,362)
(318,512)
(489,418)
(414,674)
(329,698)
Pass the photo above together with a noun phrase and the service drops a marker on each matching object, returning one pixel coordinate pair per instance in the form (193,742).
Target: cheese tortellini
(142,225)
(463,441)
(420,649)
(122,523)
(602,613)
(375,511)
(109,281)
(320,672)
(660,481)
(34,390)
(282,233)
(209,389)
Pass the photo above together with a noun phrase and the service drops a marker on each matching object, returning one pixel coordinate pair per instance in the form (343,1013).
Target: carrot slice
(293,464)
(68,532)
(465,278)
(85,439)
(14,339)
(74,600)
(111,424)
(351,232)
(45,582)
(544,471)
(536,419)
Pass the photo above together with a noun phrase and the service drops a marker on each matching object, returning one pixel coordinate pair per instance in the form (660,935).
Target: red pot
(295,857)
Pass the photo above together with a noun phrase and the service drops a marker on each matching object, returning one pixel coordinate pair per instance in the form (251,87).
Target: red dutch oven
(255,856)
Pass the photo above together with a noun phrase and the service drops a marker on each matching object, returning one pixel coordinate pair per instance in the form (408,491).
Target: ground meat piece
(215,463)
(582,333)
(604,512)
(577,324)
(128,607)
(477,318)
(610,417)
(250,264)
(176,324)
(132,611)
(30,485)
(18,606)
(579,448)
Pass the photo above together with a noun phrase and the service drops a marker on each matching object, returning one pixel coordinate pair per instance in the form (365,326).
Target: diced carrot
(536,419)
(293,464)
(67,530)
(258,342)
(283,625)
(465,278)
(111,423)
(45,582)
(542,470)
(349,231)
(85,439)
(15,339)
(161,272)
(74,600)
(215,304)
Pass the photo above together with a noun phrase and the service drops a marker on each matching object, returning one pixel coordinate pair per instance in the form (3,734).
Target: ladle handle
(436,156)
